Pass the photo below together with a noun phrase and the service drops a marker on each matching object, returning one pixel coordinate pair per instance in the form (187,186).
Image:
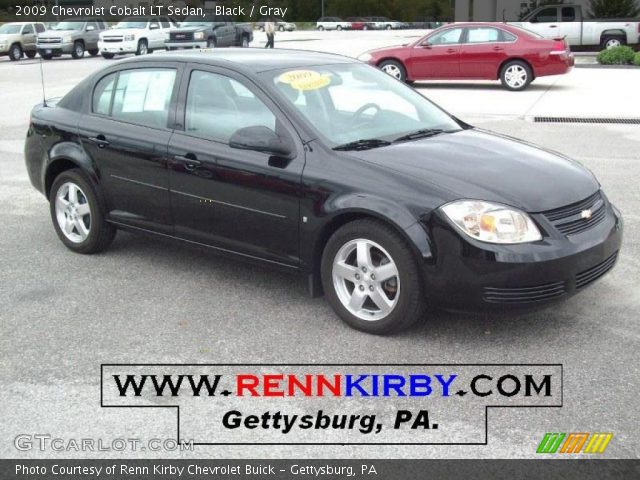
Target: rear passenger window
(568,14)
(102,95)
(218,106)
(142,96)
(508,37)
(482,35)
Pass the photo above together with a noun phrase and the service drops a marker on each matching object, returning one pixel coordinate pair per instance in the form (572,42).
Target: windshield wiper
(422,133)
(364,144)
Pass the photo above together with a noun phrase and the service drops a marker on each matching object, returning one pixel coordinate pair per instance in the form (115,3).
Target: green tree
(614,8)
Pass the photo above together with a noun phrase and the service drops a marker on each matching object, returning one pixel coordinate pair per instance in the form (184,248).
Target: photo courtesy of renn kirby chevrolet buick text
(323,165)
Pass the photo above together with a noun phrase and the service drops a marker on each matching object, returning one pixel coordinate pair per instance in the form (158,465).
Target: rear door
(126,132)
(570,25)
(438,56)
(238,200)
(28,37)
(92,31)
(482,52)
(546,23)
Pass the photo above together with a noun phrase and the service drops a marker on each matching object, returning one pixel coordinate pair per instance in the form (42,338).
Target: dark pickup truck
(208,32)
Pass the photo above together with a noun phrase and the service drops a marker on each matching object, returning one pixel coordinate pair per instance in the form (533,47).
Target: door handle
(189,160)
(553,26)
(99,140)
(497,49)
(452,50)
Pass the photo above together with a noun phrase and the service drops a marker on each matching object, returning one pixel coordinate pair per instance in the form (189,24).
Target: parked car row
(139,35)
(359,23)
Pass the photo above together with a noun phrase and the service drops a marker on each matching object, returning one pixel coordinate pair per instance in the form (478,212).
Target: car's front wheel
(93,52)
(78,50)
(77,215)
(516,75)
(31,54)
(107,56)
(143,47)
(394,69)
(371,278)
(15,52)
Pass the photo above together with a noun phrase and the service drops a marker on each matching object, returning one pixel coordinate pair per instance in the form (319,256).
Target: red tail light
(559,47)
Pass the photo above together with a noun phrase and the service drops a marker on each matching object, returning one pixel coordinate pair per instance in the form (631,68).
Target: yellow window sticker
(305,79)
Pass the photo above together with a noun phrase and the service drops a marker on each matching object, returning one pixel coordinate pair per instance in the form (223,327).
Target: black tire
(410,306)
(339,28)
(143,47)
(31,54)
(93,52)
(394,65)
(211,42)
(262,29)
(101,233)
(107,56)
(15,52)
(244,42)
(46,56)
(521,67)
(388,27)
(281,28)
(611,41)
(78,50)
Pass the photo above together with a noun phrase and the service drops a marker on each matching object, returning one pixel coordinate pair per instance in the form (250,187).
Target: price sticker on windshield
(305,79)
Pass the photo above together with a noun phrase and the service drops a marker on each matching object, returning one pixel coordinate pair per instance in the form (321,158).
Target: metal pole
(322,8)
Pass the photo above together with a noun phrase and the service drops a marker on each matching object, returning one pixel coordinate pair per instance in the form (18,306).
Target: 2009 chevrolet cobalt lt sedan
(323,165)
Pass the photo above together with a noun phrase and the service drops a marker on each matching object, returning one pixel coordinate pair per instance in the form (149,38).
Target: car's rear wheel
(394,69)
(106,55)
(77,215)
(15,52)
(143,47)
(281,28)
(371,278)
(245,42)
(339,27)
(31,54)
(612,41)
(78,50)
(321,28)
(516,75)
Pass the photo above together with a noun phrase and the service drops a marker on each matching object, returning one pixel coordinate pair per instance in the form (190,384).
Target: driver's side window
(448,37)
(218,106)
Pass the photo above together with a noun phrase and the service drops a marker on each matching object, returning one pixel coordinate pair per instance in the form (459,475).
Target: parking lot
(146,300)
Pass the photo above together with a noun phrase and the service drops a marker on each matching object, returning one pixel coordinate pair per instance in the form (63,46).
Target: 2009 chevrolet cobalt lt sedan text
(320,164)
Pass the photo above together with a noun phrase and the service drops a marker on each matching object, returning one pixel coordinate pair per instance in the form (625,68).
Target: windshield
(131,24)
(351,102)
(68,26)
(10,28)
(198,21)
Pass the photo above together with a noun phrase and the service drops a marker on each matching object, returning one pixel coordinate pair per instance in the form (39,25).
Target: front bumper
(193,44)
(129,46)
(54,48)
(4,48)
(470,275)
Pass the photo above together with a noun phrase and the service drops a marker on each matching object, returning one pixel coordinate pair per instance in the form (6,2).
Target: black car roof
(252,59)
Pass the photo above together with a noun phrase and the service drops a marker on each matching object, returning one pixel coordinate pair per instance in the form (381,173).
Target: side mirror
(90,28)
(426,44)
(262,139)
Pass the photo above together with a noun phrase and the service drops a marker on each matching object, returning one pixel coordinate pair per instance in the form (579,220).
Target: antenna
(44,97)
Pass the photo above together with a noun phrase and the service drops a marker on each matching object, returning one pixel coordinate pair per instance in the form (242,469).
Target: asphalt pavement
(147,300)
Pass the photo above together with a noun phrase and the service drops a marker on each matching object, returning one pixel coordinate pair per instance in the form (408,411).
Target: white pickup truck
(568,21)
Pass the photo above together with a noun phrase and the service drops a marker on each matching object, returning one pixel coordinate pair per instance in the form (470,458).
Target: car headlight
(129,38)
(365,57)
(67,39)
(492,222)
(198,35)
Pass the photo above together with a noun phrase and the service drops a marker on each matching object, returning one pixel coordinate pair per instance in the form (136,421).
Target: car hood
(6,36)
(123,31)
(53,33)
(474,164)
(191,29)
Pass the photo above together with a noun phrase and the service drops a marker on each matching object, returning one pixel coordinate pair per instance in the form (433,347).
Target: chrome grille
(49,40)
(112,39)
(579,216)
(181,36)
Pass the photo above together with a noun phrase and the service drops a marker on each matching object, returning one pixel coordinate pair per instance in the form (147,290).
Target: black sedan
(322,165)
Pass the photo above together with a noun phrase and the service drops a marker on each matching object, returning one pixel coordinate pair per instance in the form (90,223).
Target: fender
(350,206)
(65,152)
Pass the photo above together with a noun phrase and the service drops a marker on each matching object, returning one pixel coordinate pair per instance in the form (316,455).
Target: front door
(237,200)
(438,56)
(126,135)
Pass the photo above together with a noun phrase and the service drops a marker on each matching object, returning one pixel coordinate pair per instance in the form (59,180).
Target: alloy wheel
(73,212)
(516,76)
(366,279)
(392,70)
(612,43)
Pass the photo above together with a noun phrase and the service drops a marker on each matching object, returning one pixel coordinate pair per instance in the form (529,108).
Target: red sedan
(476,51)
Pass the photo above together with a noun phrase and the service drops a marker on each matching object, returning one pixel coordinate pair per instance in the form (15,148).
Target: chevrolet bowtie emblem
(586,214)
